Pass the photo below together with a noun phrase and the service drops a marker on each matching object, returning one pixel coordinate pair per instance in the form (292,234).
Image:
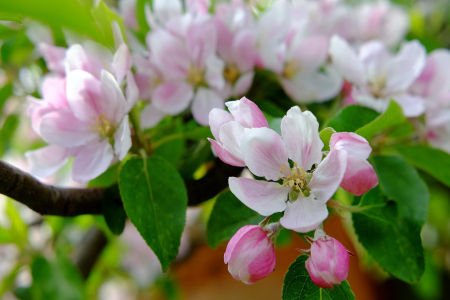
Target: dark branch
(46,199)
(88,250)
(50,200)
(211,184)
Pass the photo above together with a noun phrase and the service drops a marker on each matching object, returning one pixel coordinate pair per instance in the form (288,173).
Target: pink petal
(231,135)
(235,239)
(313,86)
(170,54)
(359,176)
(121,62)
(218,117)
(243,84)
(45,162)
(261,196)
(84,94)
(224,39)
(311,52)
(201,39)
(315,275)
(172,97)
(264,152)
(244,50)
(214,67)
(54,57)
(65,130)
(405,67)
(91,161)
(225,155)
(54,92)
(300,131)
(328,176)
(375,57)
(151,116)
(412,106)
(346,61)
(113,103)
(205,100)
(304,214)
(122,139)
(353,143)
(132,92)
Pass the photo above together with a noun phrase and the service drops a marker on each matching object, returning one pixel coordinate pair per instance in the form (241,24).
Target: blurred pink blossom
(378,76)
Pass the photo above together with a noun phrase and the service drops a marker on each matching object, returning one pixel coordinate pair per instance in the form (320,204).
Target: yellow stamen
(195,76)
(103,126)
(231,73)
(291,69)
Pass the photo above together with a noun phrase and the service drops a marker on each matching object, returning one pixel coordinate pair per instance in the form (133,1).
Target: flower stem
(338,206)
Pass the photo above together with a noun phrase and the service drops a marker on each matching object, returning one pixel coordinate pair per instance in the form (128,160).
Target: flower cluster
(84,109)
(298,180)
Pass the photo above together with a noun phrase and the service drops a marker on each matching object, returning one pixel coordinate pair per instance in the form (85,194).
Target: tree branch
(69,202)
(47,199)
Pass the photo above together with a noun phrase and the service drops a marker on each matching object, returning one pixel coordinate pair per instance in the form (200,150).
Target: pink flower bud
(359,176)
(250,254)
(328,262)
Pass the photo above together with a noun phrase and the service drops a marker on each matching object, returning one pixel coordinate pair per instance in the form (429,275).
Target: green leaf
(7,131)
(5,92)
(325,136)
(169,148)
(391,117)
(298,285)
(429,160)
(70,14)
(55,280)
(199,133)
(392,240)
(113,210)
(198,155)
(352,117)
(401,183)
(155,200)
(227,217)
(140,14)
(6,16)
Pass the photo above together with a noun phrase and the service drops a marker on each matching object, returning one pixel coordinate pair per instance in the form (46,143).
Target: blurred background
(41,253)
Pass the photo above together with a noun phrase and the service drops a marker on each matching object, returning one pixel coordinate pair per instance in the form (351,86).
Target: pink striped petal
(264,152)
(359,176)
(91,161)
(261,196)
(225,155)
(300,131)
(315,275)
(172,97)
(353,143)
(328,176)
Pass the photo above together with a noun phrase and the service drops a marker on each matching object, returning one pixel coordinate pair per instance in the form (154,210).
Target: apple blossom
(89,121)
(328,262)
(228,128)
(381,21)
(359,175)
(309,187)
(190,69)
(250,253)
(236,45)
(378,76)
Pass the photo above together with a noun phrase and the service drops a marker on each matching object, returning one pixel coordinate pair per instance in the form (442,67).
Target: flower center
(291,68)
(231,73)
(376,86)
(103,126)
(195,76)
(295,177)
(156,81)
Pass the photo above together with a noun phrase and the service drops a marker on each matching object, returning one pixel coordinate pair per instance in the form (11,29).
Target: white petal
(304,214)
(151,116)
(346,61)
(205,100)
(45,162)
(328,176)
(217,118)
(300,131)
(91,161)
(231,135)
(261,196)
(122,139)
(412,106)
(264,152)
